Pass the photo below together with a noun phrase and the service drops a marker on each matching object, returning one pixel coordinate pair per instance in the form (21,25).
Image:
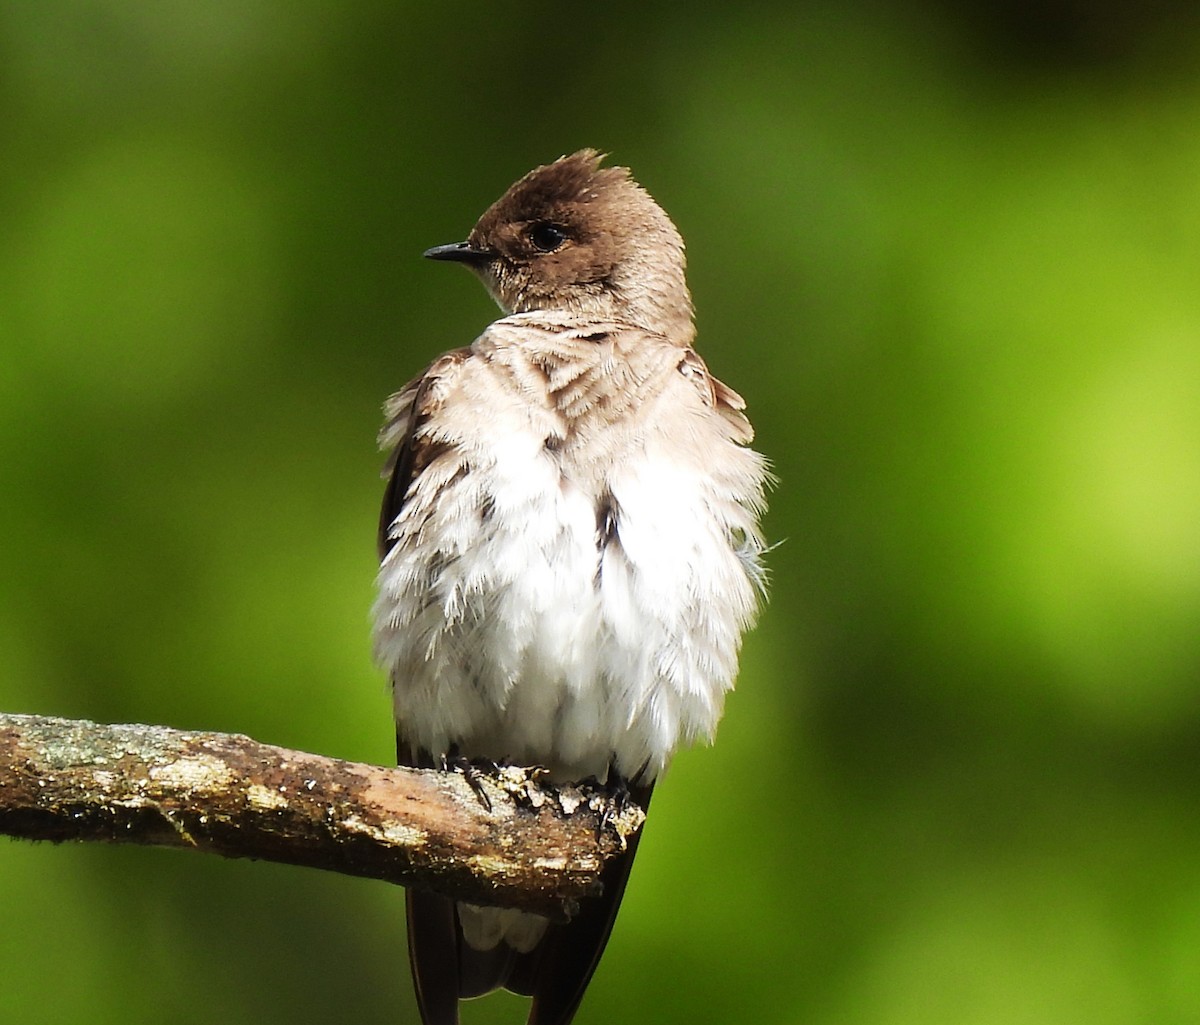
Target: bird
(570,547)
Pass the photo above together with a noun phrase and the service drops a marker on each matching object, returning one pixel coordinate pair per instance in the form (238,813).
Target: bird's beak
(459,252)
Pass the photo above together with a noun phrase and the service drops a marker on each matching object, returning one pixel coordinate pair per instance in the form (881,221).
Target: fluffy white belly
(528,618)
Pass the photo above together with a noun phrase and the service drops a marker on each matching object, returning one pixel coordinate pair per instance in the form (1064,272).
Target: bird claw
(618,800)
(473,772)
(527,794)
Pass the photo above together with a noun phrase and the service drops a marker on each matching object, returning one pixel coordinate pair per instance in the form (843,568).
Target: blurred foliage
(950,258)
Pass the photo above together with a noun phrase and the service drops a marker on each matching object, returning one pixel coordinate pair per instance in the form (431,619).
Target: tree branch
(539,848)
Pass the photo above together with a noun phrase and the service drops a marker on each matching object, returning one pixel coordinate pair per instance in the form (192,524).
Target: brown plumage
(582,239)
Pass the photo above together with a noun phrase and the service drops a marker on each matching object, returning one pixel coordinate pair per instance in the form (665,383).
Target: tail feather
(569,953)
(483,971)
(555,973)
(432,942)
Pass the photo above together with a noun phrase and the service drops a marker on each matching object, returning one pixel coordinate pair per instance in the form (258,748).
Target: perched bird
(570,546)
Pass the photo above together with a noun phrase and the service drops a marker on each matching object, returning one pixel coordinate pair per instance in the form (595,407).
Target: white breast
(511,631)
(518,627)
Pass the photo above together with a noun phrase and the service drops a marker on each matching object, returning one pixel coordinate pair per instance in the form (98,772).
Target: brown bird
(570,546)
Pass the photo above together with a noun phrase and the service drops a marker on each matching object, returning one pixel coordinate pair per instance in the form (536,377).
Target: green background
(951,261)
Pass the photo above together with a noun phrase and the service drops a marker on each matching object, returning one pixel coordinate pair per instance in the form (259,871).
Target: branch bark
(539,848)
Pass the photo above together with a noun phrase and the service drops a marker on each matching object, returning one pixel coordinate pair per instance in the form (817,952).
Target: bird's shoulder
(568,379)
(529,355)
(406,436)
(718,396)
(638,363)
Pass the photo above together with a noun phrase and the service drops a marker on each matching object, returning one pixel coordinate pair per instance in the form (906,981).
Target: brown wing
(440,962)
(720,396)
(432,929)
(409,449)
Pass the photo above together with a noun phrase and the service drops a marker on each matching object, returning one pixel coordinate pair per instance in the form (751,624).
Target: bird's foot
(473,771)
(617,801)
(525,789)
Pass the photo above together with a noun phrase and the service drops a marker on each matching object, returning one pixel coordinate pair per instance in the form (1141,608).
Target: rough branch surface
(540,848)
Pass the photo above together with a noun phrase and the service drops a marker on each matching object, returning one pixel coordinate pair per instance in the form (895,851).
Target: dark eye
(547,237)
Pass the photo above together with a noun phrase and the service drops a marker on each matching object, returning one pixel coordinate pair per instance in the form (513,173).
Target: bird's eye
(547,237)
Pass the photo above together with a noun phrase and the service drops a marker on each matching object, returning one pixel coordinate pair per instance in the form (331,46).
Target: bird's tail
(555,972)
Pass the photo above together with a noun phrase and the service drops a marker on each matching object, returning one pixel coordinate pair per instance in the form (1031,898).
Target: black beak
(459,252)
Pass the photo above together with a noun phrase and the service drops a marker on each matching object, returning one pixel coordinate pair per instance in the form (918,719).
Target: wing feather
(410,448)
(719,396)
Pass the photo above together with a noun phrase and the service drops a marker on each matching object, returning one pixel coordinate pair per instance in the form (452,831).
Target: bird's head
(583,239)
